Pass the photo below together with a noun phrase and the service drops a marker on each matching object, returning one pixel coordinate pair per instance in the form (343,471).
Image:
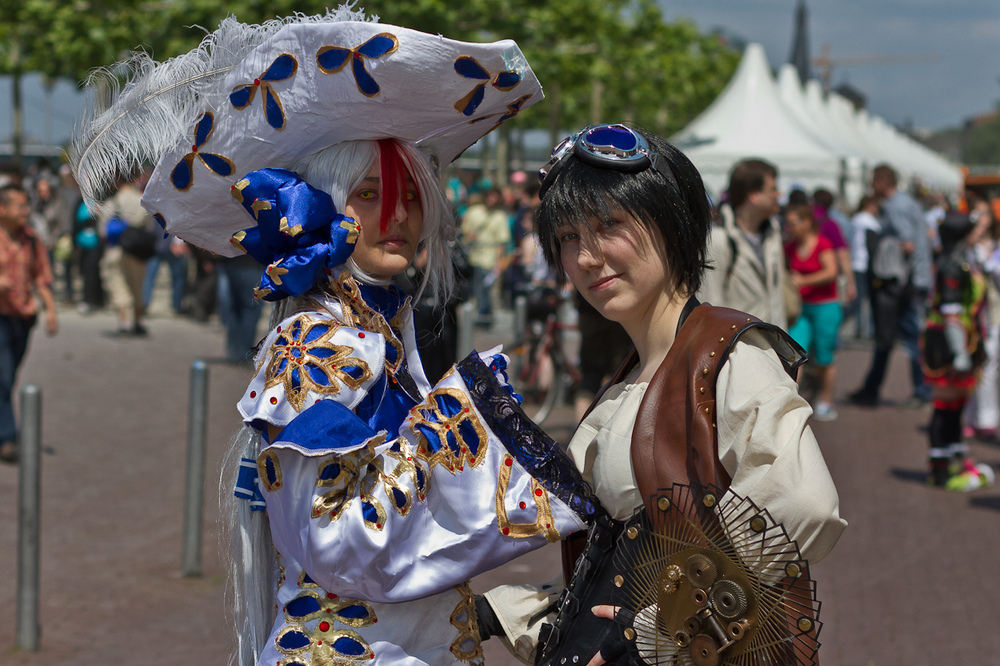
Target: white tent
(748,119)
(818,124)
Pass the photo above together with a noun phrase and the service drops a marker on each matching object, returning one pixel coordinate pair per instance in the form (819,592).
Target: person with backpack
(900,281)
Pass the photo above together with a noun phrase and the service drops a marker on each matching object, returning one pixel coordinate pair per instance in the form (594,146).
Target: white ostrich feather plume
(160,101)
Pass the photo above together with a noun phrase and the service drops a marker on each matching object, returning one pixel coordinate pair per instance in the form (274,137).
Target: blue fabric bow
(299,235)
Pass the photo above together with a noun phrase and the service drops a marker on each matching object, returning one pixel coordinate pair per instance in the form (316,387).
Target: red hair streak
(392,180)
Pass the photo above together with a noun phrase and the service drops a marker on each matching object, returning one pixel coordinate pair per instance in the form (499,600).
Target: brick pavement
(912,581)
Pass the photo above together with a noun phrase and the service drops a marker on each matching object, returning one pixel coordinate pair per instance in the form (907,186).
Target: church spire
(799,55)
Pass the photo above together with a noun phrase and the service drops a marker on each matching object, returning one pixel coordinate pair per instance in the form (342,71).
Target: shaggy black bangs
(679,210)
(582,193)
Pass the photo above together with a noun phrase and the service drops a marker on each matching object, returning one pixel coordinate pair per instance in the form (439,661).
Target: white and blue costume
(385,495)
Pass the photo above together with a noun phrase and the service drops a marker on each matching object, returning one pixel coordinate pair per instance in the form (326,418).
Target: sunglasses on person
(615,147)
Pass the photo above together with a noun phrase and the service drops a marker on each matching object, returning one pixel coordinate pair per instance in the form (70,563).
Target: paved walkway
(913,581)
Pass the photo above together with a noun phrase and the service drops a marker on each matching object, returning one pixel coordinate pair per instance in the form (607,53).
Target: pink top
(817,293)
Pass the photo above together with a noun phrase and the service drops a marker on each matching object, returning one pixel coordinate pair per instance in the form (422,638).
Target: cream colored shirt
(764,443)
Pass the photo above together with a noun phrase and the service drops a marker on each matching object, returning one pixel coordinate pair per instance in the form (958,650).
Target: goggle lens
(612,140)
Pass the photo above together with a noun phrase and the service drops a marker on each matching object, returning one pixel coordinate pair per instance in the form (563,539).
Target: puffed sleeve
(310,357)
(769,450)
(466,485)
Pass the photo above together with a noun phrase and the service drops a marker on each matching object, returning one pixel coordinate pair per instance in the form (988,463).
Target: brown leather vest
(679,405)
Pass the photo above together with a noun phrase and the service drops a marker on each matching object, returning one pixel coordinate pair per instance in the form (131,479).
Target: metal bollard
(466,324)
(194,496)
(520,317)
(29,515)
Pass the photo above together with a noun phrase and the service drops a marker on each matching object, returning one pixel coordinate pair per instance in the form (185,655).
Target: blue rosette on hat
(299,235)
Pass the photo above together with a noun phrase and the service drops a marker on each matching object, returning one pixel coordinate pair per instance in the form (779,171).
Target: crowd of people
(889,269)
(109,256)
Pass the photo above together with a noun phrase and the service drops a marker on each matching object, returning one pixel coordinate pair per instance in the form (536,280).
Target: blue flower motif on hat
(512,110)
(183,174)
(299,235)
(159,219)
(467,67)
(283,67)
(332,59)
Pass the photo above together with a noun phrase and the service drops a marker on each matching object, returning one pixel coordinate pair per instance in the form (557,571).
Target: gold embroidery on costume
(304,359)
(358,474)
(275,271)
(316,604)
(237,241)
(237,189)
(543,524)
(448,431)
(287,230)
(467,646)
(353,230)
(305,581)
(269,470)
(327,646)
(358,314)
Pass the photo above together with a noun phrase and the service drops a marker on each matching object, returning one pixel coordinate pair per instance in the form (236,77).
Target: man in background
(746,249)
(899,306)
(24,271)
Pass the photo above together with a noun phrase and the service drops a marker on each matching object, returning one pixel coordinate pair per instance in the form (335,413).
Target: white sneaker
(824,411)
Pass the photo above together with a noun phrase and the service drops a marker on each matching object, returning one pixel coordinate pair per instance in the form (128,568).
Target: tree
(597,60)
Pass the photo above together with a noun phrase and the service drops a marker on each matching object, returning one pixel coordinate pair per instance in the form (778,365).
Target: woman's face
(385,256)
(799,228)
(618,265)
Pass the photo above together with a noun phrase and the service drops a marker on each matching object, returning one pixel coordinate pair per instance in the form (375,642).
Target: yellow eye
(411,196)
(367,195)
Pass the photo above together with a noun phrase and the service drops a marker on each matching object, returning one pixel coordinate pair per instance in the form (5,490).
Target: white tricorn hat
(269,95)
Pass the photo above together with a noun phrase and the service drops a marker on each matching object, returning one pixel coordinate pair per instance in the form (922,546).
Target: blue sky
(964,80)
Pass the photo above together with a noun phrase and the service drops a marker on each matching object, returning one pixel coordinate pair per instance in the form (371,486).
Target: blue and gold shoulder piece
(326,427)
(310,357)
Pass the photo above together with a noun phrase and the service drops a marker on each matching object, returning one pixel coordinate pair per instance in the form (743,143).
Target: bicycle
(541,372)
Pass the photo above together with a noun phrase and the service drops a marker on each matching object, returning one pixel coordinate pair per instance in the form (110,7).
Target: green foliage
(982,146)
(598,60)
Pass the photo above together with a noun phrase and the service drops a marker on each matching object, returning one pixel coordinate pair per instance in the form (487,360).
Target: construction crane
(825,63)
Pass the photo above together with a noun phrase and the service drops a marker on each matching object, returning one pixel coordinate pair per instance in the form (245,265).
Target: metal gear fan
(711,580)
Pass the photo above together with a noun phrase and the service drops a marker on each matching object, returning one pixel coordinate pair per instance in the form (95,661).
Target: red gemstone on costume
(506,531)
(331,595)
(508,462)
(194,148)
(538,491)
(324,626)
(378,526)
(279,329)
(253,394)
(522,505)
(472,460)
(274,401)
(361,335)
(256,82)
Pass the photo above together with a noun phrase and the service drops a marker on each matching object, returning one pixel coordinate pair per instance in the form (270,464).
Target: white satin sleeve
(465,487)
(769,450)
